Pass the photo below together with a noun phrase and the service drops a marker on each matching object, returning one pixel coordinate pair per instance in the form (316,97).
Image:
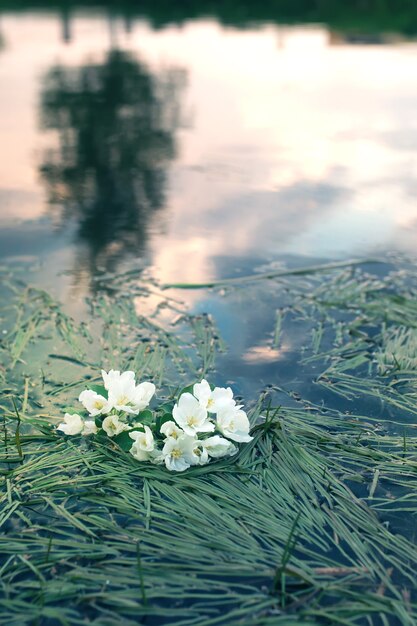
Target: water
(202,150)
(193,147)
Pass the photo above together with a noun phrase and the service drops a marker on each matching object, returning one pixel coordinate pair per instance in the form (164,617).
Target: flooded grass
(312,523)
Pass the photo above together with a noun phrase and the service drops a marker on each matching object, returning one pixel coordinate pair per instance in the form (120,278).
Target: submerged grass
(312,523)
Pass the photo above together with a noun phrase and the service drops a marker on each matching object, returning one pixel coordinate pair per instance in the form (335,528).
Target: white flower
(112,425)
(144,393)
(191,416)
(114,376)
(218,447)
(90,427)
(170,429)
(178,454)
(94,402)
(156,457)
(144,444)
(198,454)
(213,401)
(72,424)
(233,423)
(124,394)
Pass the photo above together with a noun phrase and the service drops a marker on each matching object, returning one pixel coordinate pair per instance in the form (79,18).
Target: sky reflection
(288,141)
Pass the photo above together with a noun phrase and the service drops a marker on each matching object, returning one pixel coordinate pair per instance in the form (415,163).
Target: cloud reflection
(295,145)
(265,354)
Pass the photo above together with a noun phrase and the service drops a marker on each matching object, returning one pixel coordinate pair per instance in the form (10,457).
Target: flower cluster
(204,424)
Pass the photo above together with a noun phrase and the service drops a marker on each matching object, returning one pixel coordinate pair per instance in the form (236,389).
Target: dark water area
(205,142)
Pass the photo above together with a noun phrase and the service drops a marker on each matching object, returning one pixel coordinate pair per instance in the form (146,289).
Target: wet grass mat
(312,523)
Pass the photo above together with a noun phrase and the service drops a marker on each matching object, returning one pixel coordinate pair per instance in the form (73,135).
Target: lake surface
(138,153)
(202,151)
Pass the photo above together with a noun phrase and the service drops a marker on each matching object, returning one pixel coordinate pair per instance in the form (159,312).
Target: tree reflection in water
(116,126)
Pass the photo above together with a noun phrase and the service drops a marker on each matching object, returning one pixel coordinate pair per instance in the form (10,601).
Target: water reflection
(300,144)
(66,24)
(116,126)
(363,20)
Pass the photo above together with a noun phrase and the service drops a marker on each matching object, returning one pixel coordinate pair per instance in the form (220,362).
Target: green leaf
(166,417)
(100,389)
(166,408)
(188,389)
(145,417)
(124,441)
(101,436)
(98,420)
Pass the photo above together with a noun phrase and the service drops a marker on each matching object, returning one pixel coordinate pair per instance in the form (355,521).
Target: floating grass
(312,522)
(273,274)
